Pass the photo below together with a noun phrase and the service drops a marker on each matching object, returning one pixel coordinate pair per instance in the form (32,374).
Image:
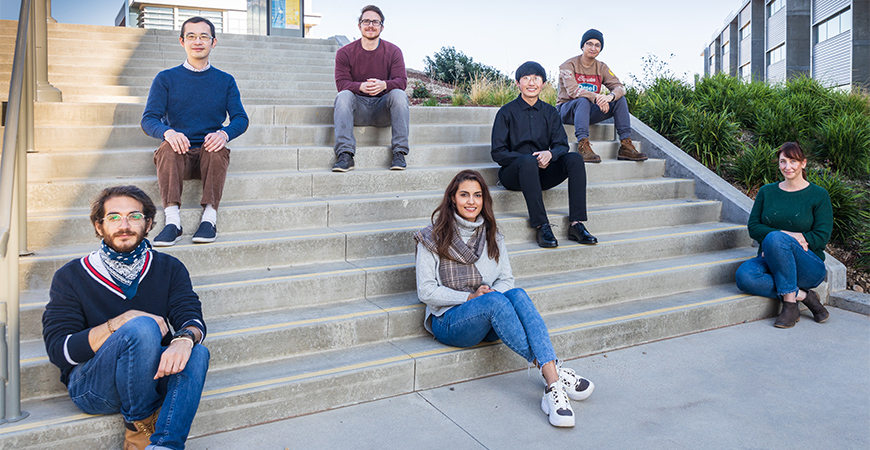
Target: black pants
(523,174)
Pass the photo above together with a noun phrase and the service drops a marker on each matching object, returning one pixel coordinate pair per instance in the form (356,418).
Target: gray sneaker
(344,163)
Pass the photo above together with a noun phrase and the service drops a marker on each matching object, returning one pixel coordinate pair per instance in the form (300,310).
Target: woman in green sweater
(792,220)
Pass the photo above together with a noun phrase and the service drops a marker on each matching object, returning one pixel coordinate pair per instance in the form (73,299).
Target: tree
(454,67)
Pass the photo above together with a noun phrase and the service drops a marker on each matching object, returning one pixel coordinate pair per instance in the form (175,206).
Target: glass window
(834,25)
(776,55)
(744,32)
(774,7)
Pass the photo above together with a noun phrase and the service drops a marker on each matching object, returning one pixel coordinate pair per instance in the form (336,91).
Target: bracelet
(111,328)
(182,338)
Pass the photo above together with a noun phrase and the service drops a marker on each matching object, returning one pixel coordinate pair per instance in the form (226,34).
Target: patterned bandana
(125,268)
(457,270)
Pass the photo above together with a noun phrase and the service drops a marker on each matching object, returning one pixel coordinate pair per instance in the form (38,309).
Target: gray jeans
(359,110)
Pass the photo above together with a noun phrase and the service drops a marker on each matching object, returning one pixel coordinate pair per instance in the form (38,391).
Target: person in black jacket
(530,145)
(107,327)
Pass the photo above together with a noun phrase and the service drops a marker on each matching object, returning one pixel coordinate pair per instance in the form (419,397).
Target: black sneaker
(168,237)
(344,163)
(206,233)
(545,236)
(398,162)
(578,232)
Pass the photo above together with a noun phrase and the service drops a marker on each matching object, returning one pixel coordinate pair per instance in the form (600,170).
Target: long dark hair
(792,150)
(444,220)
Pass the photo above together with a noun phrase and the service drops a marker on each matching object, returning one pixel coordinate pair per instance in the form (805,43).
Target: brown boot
(585,149)
(789,315)
(820,314)
(627,152)
(139,432)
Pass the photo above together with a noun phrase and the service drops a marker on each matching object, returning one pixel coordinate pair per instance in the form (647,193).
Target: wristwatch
(185,333)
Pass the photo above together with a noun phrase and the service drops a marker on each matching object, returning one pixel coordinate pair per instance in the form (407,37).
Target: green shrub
(863,238)
(664,114)
(420,91)
(844,140)
(632,96)
(719,93)
(431,101)
(486,92)
(755,166)
(850,102)
(709,136)
(672,88)
(777,121)
(454,67)
(458,99)
(849,211)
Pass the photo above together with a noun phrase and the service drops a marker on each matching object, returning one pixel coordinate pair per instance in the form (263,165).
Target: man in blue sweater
(186,108)
(106,326)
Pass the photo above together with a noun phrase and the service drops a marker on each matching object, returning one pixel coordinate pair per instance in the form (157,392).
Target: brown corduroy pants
(173,169)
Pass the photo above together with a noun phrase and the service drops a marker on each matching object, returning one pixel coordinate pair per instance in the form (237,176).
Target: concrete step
(227,44)
(337,325)
(227,63)
(238,70)
(280,90)
(363,241)
(103,114)
(243,396)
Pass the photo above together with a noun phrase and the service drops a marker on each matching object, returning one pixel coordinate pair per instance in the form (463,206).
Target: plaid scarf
(457,270)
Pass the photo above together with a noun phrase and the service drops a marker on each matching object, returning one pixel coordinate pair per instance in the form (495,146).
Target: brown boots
(139,432)
(791,314)
(627,152)
(585,149)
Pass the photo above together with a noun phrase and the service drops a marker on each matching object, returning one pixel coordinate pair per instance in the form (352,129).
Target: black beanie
(531,68)
(592,34)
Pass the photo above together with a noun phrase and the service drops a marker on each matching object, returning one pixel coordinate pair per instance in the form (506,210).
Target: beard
(124,240)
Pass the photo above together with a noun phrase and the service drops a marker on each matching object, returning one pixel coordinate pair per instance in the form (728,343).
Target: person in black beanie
(530,145)
(581,103)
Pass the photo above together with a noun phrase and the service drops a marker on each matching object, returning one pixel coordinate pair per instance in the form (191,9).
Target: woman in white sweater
(464,278)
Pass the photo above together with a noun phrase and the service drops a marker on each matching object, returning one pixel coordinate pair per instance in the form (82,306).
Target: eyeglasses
(190,37)
(134,218)
(367,22)
(592,44)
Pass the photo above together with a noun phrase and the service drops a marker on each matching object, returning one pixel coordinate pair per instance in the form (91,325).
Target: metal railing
(18,134)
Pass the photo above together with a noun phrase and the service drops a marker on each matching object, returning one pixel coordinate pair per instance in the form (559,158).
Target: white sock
(209,214)
(172,216)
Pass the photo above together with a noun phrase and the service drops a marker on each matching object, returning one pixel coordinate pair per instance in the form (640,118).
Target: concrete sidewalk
(745,386)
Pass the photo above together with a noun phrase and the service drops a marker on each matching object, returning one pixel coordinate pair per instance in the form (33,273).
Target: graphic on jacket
(591,83)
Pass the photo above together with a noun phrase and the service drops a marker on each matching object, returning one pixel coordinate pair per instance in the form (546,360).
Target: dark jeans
(784,268)
(523,174)
(581,113)
(120,377)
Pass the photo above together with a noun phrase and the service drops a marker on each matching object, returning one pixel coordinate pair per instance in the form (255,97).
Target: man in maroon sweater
(371,80)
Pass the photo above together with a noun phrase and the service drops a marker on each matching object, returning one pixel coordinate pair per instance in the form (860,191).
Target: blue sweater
(81,298)
(194,103)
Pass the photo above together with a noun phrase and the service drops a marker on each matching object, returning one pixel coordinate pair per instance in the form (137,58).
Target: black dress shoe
(545,236)
(578,232)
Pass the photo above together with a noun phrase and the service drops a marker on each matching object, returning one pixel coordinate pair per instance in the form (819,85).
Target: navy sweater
(194,103)
(80,299)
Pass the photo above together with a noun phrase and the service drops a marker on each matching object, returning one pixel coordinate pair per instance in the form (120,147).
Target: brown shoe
(139,432)
(820,314)
(585,149)
(789,315)
(627,152)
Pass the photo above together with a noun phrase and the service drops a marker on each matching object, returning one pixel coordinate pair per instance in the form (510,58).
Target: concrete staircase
(309,290)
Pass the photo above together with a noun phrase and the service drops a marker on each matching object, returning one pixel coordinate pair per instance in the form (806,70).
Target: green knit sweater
(806,211)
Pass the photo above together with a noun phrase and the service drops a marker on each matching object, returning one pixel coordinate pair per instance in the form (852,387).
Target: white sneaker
(577,387)
(555,404)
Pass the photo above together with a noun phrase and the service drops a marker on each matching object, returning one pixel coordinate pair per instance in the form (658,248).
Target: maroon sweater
(354,65)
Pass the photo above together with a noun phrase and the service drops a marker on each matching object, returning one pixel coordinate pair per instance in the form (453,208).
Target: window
(744,32)
(744,72)
(776,55)
(774,7)
(834,25)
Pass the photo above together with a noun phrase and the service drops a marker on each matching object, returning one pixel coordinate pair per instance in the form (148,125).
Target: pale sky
(505,33)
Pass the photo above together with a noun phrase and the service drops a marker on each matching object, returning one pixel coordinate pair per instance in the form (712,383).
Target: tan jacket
(576,81)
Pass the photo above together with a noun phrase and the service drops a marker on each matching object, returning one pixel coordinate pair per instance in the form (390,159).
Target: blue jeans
(784,268)
(582,112)
(361,110)
(120,377)
(509,316)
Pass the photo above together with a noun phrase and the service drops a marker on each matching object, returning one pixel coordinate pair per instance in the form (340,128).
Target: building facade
(774,40)
(280,17)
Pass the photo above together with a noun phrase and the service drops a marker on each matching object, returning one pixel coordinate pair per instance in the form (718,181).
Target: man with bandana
(581,103)
(530,145)
(125,327)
